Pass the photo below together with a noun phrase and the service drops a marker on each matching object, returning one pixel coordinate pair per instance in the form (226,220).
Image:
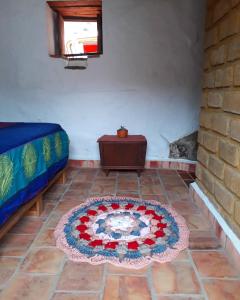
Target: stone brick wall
(218,168)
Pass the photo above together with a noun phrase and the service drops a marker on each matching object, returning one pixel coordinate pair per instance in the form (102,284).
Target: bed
(32,157)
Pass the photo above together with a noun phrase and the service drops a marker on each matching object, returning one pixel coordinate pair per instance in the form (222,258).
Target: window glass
(80,37)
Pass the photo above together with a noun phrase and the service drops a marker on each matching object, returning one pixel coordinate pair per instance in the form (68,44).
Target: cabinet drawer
(122,154)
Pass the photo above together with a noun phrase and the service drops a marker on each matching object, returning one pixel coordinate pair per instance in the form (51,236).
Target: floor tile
(222,289)
(84,177)
(44,260)
(49,199)
(105,181)
(92,195)
(150,172)
(74,195)
(14,252)
(127,174)
(167,172)
(67,204)
(144,180)
(151,189)
(124,271)
(103,189)
(129,185)
(49,196)
(185,207)
(128,194)
(81,186)
(28,287)
(102,174)
(173,182)
(47,210)
(27,225)
(70,296)
(213,264)
(8,266)
(180,298)
(68,181)
(197,222)
(87,170)
(203,240)
(46,238)
(173,196)
(14,241)
(80,276)
(183,255)
(127,179)
(72,172)
(126,288)
(179,190)
(56,189)
(9,262)
(58,192)
(53,221)
(175,278)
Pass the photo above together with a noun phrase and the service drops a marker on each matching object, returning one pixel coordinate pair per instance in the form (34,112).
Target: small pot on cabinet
(122,132)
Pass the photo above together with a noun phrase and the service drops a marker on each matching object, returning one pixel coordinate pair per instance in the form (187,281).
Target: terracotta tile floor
(32,268)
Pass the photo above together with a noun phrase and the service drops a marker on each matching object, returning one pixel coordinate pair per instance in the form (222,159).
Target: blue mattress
(31,154)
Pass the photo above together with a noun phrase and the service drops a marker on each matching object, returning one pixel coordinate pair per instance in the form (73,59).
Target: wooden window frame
(60,11)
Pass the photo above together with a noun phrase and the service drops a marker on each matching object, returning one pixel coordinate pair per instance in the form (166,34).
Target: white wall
(148,78)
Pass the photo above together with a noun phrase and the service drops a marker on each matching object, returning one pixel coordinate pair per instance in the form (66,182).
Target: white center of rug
(123,223)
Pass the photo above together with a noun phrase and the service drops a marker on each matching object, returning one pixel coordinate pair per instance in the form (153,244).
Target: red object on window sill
(90,48)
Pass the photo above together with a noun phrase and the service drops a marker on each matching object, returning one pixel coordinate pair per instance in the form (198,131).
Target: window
(75,28)
(80,37)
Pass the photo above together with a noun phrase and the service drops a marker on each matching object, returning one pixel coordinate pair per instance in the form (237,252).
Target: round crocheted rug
(127,232)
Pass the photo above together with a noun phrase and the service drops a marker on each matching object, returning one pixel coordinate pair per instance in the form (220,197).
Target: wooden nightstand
(122,153)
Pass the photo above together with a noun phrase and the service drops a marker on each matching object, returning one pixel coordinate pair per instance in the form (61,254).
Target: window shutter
(53,32)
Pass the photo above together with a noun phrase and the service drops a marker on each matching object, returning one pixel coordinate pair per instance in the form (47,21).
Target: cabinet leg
(139,172)
(106,172)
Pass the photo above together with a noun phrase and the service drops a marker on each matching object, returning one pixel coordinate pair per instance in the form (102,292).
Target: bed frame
(34,207)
